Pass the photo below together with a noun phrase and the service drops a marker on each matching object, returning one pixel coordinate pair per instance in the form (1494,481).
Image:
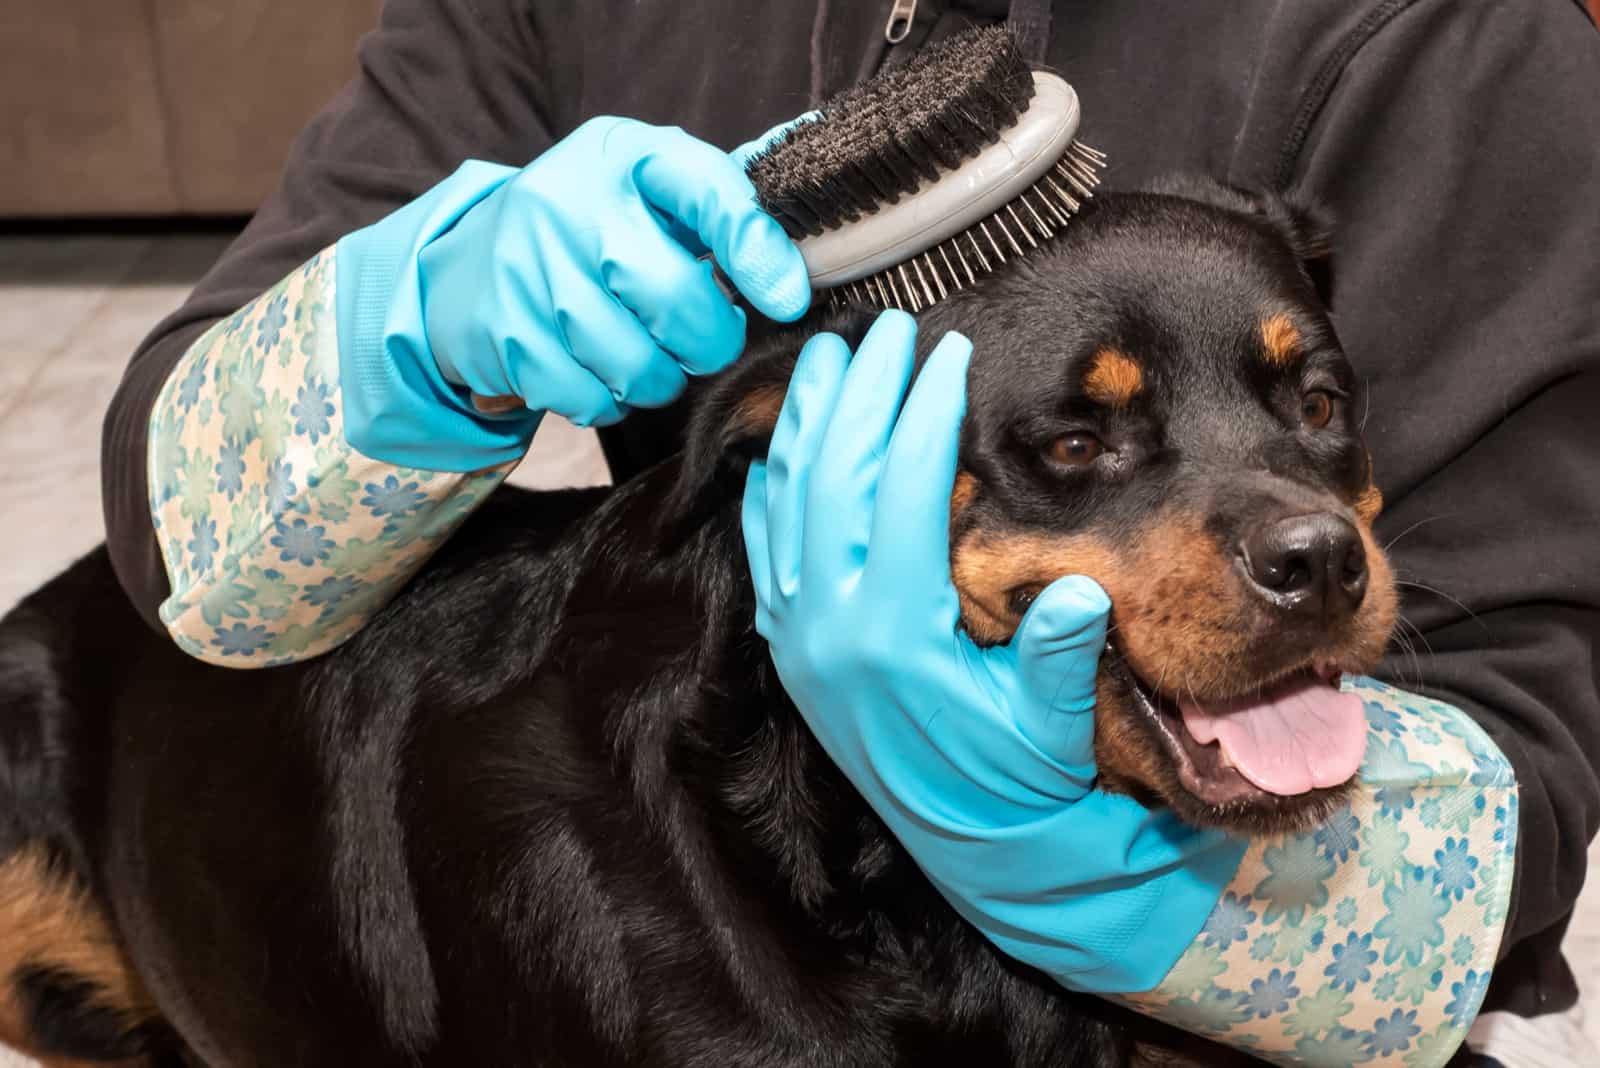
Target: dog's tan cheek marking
(1114,379)
(48,921)
(1369,504)
(1181,624)
(1175,617)
(1280,340)
(1128,761)
(1169,590)
(1375,620)
(987,567)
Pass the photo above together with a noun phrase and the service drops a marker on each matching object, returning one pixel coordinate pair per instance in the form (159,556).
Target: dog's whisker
(1419,523)
(1166,664)
(1423,638)
(1406,651)
(1409,647)
(1437,592)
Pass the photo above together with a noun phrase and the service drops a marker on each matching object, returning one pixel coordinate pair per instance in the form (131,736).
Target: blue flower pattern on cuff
(1370,938)
(279,539)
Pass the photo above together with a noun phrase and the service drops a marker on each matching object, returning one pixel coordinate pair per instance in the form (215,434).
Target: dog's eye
(1076,449)
(1316,409)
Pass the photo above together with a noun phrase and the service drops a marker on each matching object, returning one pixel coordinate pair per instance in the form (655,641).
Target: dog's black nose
(1312,565)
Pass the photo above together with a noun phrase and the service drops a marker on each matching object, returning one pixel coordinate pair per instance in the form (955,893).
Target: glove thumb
(1057,658)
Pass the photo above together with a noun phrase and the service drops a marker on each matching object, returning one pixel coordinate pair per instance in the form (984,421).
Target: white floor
(71,311)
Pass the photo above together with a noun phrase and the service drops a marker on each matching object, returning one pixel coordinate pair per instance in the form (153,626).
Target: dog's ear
(732,416)
(1305,228)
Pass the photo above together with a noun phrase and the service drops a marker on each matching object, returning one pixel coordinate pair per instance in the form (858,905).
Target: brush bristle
(952,265)
(882,139)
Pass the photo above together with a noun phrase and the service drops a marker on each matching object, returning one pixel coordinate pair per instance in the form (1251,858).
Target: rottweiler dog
(552,805)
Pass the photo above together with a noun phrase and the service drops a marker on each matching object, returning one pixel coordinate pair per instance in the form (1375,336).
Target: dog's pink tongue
(1304,734)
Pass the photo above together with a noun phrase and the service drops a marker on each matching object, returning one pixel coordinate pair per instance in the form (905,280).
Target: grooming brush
(922,179)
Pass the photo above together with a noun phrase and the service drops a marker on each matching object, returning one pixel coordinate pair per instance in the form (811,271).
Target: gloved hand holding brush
(575,285)
(354,442)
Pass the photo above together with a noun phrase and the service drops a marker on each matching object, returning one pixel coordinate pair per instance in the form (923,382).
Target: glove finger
(548,378)
(1057,658)
(813,391)
(757,543)
(700,187)
(844,486)
(743,154)
(611,343)
(674,296)
(911,548)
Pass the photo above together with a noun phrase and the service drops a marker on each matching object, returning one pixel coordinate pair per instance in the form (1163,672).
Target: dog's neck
(702,689)
(729,763)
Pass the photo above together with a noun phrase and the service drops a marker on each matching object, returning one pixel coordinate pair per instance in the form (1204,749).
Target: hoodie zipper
(900,19)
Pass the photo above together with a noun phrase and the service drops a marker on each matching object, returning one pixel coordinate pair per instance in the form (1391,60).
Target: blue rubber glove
(576,285)
(981,761)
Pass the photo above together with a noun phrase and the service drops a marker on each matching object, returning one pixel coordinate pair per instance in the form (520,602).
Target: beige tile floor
(71,311)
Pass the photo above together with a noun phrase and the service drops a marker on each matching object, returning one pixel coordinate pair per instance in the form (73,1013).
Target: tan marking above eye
(1281,339)
(1114,379)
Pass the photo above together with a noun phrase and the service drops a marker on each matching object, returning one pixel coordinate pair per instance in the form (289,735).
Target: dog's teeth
(1222,756)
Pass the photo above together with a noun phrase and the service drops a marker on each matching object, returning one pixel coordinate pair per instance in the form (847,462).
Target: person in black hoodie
(1455,142)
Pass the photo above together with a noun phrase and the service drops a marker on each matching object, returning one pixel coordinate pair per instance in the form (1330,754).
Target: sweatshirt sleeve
(1458,151)
(440,81)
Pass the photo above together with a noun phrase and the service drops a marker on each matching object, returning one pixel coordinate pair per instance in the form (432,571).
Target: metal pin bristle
(1012,211)
(993,244)
(933,272)
(1037,215)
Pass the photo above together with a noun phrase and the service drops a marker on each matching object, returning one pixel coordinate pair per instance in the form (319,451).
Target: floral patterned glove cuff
(1369,939)
(280,540)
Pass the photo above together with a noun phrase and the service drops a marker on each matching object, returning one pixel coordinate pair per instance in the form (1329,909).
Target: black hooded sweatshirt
(1455,142)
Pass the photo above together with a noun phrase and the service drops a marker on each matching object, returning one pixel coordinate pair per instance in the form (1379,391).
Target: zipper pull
(899,25)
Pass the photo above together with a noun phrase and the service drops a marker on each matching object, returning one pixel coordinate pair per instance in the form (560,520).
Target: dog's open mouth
(1297,734)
